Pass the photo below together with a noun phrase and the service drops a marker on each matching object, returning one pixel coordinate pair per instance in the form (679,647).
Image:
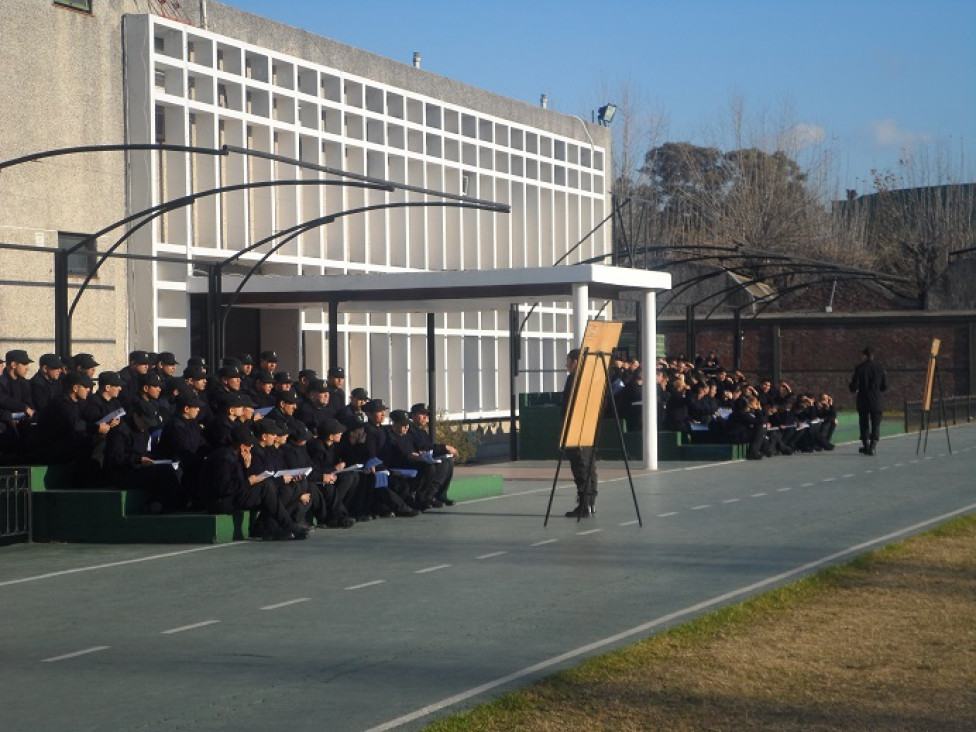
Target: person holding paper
(64,435)
(423,442)
(326,502)
(265,462)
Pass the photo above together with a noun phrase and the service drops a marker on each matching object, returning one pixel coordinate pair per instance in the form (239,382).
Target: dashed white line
(669,513)
(899,465)
(66,656)
(807,485)
(183,628)
(591,531)
(828,480)
(731,500)
(701,507)
(883,467)
(431,569)
(546,541)
(847,475)
(758,495)
(492,555)
(783,490)
(364,584)
(286,603)
(629,523)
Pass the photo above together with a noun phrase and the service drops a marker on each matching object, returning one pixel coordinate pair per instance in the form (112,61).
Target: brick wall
(818,352)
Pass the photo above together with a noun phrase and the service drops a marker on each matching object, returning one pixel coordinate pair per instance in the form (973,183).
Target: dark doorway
(242,333)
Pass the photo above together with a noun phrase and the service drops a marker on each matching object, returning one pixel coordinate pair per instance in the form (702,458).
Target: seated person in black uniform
(336,383)
(129,464)
(262,390)
(230,490)
(182,440)
(747,425)
(218,432)
(403,455)
(380,447)
(315,408)
(65,436)
(46,383)
(828,413)
(348,486)
(266,457)
(357,400)
(424,442)
(326,505)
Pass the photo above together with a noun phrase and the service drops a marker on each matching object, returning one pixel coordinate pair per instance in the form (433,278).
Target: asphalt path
(391,624)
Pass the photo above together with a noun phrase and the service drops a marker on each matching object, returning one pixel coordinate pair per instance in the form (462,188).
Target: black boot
(872,447)
(580,512)
(864,448)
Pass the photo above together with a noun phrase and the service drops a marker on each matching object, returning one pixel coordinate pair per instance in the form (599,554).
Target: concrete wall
(61,85)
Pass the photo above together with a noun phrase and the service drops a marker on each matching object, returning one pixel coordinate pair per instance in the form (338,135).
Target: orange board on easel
(930,376)
(583,412)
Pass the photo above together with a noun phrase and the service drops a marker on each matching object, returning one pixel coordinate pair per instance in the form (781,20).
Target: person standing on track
(868,381)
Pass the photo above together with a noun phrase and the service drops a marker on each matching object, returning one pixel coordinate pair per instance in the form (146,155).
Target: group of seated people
(718,405)
(248,437)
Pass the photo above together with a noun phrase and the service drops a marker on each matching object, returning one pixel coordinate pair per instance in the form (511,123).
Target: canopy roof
(438,291)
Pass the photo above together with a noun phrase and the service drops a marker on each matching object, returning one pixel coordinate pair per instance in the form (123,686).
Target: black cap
(420,408)
(337,372)
(18,356)
(264,377)
(242,399)
(359,393)
(231,361)
(331,427)
(307,374)
(269,427)
(141,358)
(194,373)
(188,399)
(79,378)
(51,361)
(289,397)
(228,399)
(353,423)
(399,417)
(269,356)
(375,405)
(246,359)
(196,361)
(84,361)
(299,432)
(167,358)
(283,377)
(317,386)
(110,378)
(148,412)
(150,380)
(229,372)
(241,433)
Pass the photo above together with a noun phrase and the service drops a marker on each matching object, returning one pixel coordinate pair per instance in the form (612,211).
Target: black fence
(15,505)
(949,410)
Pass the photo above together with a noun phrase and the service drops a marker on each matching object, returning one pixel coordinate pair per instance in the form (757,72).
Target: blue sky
(860,83)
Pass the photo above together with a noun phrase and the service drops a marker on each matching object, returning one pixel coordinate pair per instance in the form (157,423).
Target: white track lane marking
(629,523)
(731,500)
(491,555)
(66,656)
(426,570)
(546,541)
(365,584)
(183,628)
(664,619)
(591,531)
(286,603)
(669,513)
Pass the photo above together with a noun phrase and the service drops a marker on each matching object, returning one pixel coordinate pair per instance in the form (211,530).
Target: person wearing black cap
(166,364)
(421,490)
(315,409)
(262,391)
(246,366)
(230,490)
(139,363)
(357,400)
(868,381)
(348,487)
(283,382)
(46,383)
(85,363)
(228,412)
(379,446)
(129,463)
(151,390)
(182,440)
(336,383)
(423,442)
(15,399)
(228,382)
(268,361)
(266,458)
(286,405)
(305,377)
(325,502)
(106,399)
(64,435)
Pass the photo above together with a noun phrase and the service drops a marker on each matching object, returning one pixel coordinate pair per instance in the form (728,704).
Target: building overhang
(441,291)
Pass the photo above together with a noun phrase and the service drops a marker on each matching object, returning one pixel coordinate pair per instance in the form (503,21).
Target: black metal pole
(334,337)
(432,375)
(737,339)
(513,369)
(215,320)
(62,321)
(690,332)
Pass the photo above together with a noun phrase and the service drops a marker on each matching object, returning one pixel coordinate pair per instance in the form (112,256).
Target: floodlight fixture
(605,113)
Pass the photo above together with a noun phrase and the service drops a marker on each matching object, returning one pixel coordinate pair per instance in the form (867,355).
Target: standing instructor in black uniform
(868,381)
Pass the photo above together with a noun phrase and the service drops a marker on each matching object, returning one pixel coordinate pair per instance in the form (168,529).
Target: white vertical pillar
(649,367)
(581,312)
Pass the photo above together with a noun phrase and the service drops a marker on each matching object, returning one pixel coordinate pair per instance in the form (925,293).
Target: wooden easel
(590,387)
(932,375)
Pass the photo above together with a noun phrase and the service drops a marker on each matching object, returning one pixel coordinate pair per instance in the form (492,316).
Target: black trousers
(582,463)
(870,423)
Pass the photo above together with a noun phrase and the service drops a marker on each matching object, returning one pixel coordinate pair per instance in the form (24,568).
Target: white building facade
(251,83)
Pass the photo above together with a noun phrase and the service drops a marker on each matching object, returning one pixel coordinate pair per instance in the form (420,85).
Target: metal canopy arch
(449,291)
